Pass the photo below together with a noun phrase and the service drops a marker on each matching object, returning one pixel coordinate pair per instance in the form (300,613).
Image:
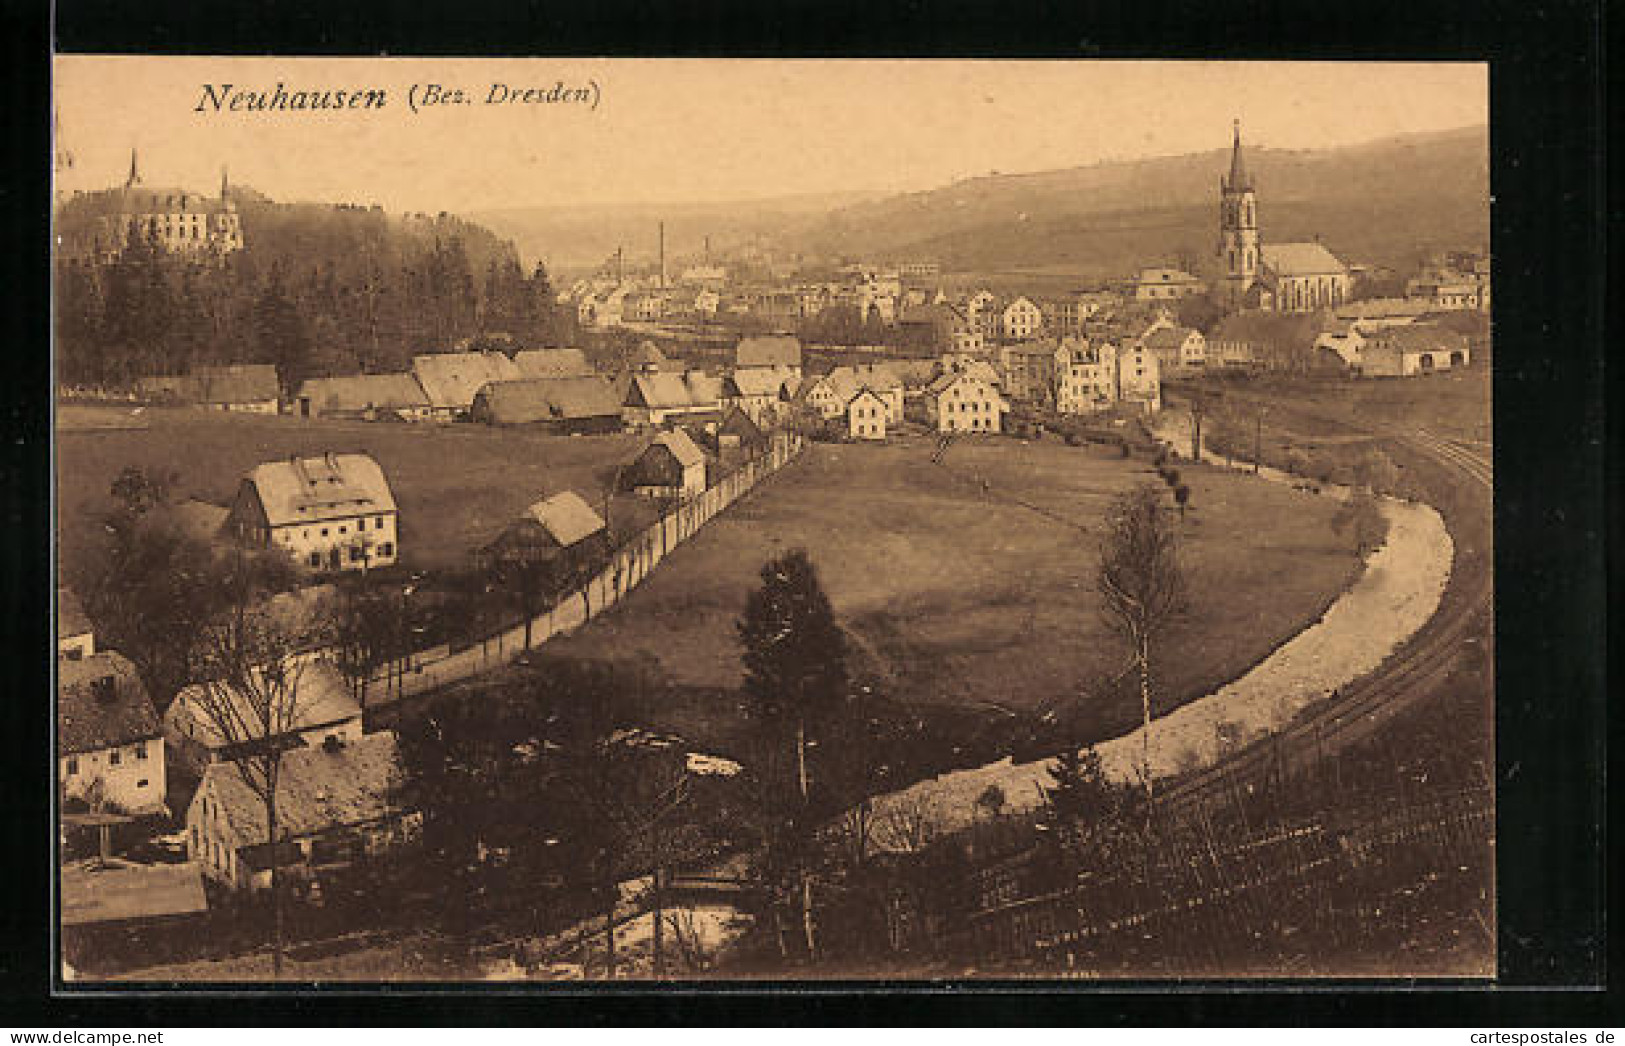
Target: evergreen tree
(795,685)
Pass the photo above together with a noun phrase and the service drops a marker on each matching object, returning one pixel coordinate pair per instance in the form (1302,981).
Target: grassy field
(958,594)
(456,485)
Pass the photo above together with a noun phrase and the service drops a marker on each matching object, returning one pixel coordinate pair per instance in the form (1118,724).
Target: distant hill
(1377,203)
(576,237)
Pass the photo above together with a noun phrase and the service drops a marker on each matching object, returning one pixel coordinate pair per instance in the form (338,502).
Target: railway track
(1464,616)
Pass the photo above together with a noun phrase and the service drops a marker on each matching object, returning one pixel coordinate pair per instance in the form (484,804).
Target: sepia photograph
(669,521)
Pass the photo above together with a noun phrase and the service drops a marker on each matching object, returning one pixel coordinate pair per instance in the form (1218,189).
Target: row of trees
(315,291)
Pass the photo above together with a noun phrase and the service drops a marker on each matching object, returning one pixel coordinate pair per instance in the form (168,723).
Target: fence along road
(632,563)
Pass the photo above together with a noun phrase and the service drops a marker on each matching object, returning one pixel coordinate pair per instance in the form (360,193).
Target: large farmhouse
(333,512)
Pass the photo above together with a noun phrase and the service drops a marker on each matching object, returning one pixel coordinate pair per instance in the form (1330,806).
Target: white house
(322,707)
(866,416)
(1084,382)
(334,512)
(1162,284)
(1139,378)
(107,734)
(1177,348)
(959,402)
(1021,320)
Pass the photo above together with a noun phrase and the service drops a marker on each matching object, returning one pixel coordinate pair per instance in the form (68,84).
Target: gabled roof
(1300,259)
(680,446)
(737,423)
(553,363)
(1168,276)
(769,351)
(318,789)
(662,391)
(322,696)
(754,381)
(1168,337)
(1382,308)
(237,383)
(704,390)
(86,722)
(122,891)
(862,393)
(308,490)
(566,518)
(451,379)
(1416,337)
(649,355)
(355,392)
(549,399)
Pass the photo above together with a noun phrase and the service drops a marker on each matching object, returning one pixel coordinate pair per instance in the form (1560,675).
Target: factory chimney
(662,255)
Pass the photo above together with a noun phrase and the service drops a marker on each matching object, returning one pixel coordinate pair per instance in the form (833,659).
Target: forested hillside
(318,289)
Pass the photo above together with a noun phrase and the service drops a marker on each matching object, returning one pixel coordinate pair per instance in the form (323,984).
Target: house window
(355,553)
(341,530)
(324,532)
(115,757)
(73,766)
(386,549)
(102,689)
(315,559)
(378,524)
(141,783)
(141,750)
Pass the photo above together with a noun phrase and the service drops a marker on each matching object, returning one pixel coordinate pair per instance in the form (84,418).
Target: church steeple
(1239,245)
(135,175)
(1239,180)
(225,184)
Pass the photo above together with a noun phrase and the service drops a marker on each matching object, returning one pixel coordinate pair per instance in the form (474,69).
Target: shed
(671,466)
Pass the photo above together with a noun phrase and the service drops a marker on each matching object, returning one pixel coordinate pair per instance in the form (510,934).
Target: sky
(703,130)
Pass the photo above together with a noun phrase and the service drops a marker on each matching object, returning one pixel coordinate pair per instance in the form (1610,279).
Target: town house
(959,402)
(866,416)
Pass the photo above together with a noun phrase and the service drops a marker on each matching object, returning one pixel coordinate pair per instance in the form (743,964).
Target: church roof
(1301,259)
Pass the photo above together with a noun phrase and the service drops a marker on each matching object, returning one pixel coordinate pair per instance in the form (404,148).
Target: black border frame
(1548,218)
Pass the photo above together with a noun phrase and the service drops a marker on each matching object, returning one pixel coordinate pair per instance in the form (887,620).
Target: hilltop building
(94,227)
(1285,277)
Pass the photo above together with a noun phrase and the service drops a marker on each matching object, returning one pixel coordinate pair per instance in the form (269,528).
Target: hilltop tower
(1239,249)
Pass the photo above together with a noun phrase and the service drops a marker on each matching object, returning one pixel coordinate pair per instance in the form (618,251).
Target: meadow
(971,584)
(456,485)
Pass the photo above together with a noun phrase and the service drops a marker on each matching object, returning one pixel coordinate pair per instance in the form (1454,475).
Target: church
(93,227)
(1283,277)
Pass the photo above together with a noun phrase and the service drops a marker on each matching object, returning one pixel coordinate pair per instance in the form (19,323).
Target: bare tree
(251,698)
(1143,587)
